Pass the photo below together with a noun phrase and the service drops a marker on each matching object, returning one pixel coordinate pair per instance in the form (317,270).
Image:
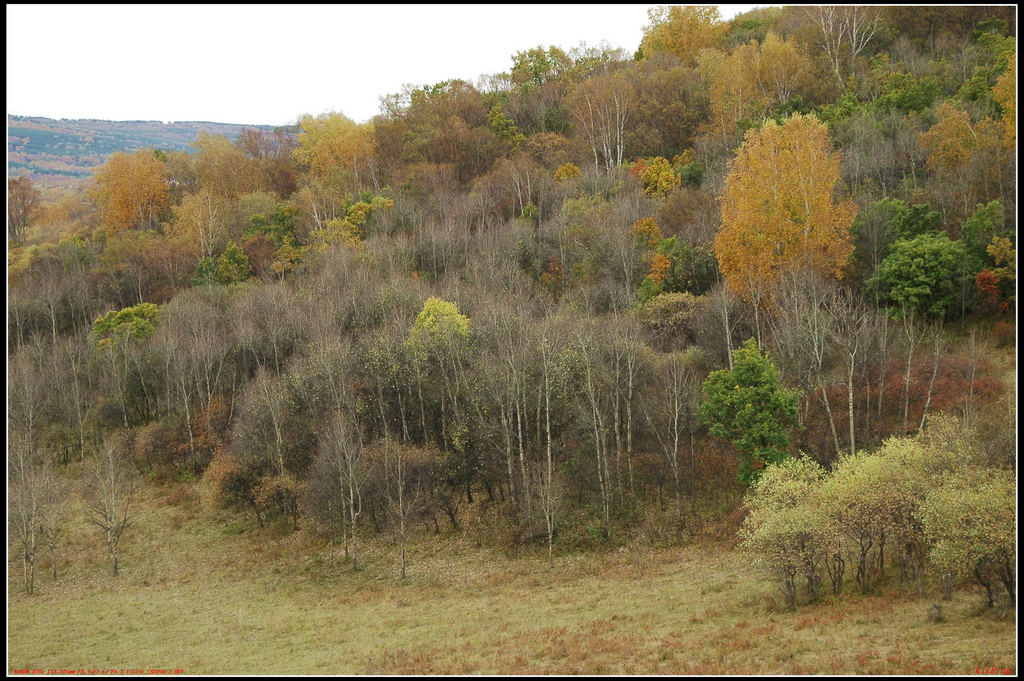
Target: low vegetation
(210,593)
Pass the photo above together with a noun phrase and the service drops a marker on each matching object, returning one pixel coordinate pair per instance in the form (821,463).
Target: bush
(970,525)
(873,499)
(864,500)
(1005,334)
(672,319)
(805,524)
(787,531)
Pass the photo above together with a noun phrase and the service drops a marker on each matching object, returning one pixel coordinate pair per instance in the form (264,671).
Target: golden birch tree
(777,208)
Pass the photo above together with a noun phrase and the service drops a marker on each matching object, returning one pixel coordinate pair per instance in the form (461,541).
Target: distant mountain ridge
(63,152)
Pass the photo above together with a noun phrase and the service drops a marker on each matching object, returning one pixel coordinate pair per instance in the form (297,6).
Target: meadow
(209,593)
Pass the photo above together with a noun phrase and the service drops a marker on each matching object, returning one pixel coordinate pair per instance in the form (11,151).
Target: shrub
(786,529)
(873,499)
(672,319)
(970,525)
(863,499)
(1005,333)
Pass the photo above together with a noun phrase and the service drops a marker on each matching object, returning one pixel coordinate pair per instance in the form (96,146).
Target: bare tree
(75,400)
(22,207)
(110,491)
(547,491)
(883,339)
(192,344)
(28,393)
(845,31)
(341,446)
(593,400)
(913,333)
(549,495)
(677,381)
(624,349)
(725,308)
(322,502)
(54,516)
(804,330)
(977,349)
(35,497)
(852,319)
(403,489)
(601,105)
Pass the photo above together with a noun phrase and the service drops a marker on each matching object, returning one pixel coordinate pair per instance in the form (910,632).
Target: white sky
(269,64)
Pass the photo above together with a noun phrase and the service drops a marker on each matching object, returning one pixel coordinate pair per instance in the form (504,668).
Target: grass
(210,600)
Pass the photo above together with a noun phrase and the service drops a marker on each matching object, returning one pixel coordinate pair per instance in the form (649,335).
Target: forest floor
(201,591)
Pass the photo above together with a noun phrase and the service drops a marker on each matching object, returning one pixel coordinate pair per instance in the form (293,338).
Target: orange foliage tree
(131,190)
(777,208)
(965,156)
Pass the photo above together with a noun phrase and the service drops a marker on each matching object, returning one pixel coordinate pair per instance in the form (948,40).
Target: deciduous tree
(777,207)
(750,407)
(23,204)
(110,491)
(131,190)
(682,30)
(922,273)
(601,105)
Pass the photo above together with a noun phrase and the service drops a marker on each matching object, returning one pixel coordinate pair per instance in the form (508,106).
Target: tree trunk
(831,421)
(931,383)
(849,404)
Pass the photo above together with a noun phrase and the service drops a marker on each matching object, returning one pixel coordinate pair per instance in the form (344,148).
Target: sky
(270,64)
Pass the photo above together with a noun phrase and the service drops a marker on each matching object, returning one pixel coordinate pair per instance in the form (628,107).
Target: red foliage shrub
(987,283)
(949,393)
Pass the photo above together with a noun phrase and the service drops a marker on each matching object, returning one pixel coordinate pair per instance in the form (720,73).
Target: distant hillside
(63,152)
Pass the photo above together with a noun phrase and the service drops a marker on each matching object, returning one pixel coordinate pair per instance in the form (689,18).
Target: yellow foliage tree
(965,154)
(201,220)
(682,30)
(1005,91)
(331,142)
(646,231)
(733,92)
(222,167)
(777,208)
(130,190)
(657,176)
(752,78)
(780,68)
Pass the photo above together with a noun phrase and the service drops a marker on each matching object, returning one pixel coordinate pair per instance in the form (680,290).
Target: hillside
(698,357)
(63,152)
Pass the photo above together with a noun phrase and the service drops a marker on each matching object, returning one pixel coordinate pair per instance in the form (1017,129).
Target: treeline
(529,298)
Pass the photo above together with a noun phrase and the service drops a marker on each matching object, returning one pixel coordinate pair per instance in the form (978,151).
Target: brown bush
(183,496)
(1005,333)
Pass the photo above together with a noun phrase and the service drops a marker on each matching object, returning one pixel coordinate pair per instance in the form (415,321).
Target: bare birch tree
(111,490)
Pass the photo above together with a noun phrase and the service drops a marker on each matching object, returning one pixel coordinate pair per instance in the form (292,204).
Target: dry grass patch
(222,597)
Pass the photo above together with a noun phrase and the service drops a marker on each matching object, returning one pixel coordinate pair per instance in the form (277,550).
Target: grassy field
(219,598)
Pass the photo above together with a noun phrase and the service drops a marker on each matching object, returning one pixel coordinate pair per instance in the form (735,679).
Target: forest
(752,282)
(63,153)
